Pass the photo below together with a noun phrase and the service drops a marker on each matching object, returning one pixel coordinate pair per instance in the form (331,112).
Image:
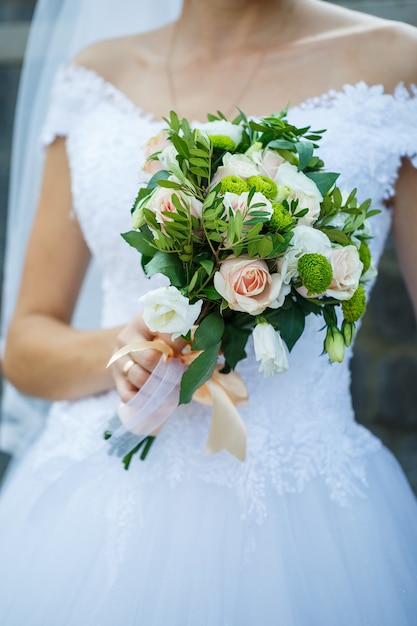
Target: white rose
(302,189)
(168,311)
(269,349)
(347,269)
(223,128)
(306,240)
(268,162)
(235,165)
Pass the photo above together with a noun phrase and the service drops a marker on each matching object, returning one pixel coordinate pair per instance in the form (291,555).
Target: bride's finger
(135,374)
(125,389)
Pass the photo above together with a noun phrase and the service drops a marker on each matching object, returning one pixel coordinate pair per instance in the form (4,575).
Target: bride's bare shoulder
(390,51)
(382,51)
(112,58)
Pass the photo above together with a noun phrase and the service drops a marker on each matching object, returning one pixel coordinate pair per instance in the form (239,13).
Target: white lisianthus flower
(168,311)
(306,240)
(302,189)
(224,128)
(269,349)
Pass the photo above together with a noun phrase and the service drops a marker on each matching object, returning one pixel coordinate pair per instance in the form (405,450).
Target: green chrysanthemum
(315,272)
(265,185)
(223,142)
(281,218)
(354,308)
(234,184)
(365,256)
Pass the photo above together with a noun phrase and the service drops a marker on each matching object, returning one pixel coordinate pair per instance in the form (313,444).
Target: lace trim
(359,91)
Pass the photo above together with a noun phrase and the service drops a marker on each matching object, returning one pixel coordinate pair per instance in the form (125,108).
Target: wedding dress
(317,527)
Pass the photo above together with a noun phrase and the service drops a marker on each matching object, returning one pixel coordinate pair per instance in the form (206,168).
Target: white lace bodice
(300,424)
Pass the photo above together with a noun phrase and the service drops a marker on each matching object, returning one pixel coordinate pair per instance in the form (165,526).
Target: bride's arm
(44,355)
(405,227)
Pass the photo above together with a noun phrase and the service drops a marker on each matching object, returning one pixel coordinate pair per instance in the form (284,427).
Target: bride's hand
(132,371)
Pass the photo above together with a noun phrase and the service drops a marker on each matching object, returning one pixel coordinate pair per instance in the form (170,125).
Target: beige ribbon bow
(222,391)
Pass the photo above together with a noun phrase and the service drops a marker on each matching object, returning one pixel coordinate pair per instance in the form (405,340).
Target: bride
(318,525)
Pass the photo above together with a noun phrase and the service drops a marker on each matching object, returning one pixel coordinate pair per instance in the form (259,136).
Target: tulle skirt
(120,551)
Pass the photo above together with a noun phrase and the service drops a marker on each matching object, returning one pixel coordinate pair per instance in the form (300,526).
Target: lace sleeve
(71,95)
(403,122)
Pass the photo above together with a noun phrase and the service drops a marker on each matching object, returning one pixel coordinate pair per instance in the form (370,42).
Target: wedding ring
(127,367)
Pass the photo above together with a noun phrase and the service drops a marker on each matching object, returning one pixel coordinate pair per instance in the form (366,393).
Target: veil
(59,29)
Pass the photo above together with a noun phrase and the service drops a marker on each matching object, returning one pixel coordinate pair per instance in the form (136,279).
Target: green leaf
(337,197)
(211,293)
(207,265)
(198,373)
(161,175)
(234,343)
(209,331)
(193,282)
(265,247)
(169,265)
(323,180)
(291,325)
(305,152)
(169,184)
(181,146)
(138,240)
(142,193)
(282,144)
(289,321)
(198,171)
(199,153)
(337,236)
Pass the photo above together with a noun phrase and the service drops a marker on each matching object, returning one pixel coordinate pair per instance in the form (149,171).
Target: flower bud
(138,218)
(348,331)
(334,344)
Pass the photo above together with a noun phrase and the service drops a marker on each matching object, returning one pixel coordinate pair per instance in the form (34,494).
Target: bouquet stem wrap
(146,413)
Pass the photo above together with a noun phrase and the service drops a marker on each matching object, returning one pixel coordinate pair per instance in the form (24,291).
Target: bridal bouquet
(253,235)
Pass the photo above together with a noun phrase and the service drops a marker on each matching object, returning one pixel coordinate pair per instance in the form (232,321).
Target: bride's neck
(229,26)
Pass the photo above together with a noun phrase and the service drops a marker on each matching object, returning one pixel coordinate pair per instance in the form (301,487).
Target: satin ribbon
(222,391)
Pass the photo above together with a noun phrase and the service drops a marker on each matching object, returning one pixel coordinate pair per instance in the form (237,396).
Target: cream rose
(302,189)
(347,269)
(168,156)
(168,311)
(161,201)
(155,144)
(235,203)
(247,285)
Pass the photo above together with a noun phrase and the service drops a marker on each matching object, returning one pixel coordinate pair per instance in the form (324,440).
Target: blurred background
(384,369)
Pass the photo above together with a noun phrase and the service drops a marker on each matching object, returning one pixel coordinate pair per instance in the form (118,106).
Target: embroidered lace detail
(300,425)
